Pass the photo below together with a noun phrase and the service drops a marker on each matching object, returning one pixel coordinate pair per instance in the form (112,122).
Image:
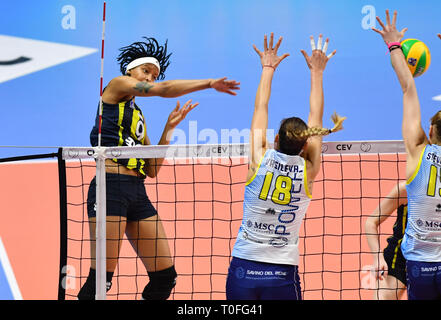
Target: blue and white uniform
(421,244)
(266,252)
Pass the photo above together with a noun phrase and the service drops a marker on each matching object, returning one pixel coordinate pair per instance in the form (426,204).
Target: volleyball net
(198,194)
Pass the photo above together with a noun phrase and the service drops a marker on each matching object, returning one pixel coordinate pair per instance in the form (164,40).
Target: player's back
(422,239)
(275,202)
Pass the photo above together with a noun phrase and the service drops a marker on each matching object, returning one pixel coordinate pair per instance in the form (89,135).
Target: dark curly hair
(149,48)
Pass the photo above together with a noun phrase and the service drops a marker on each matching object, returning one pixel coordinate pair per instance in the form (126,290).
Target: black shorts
(125,196)
(396,264)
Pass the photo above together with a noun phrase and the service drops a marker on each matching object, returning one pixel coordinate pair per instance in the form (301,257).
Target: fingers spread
(388,18)
(304,54)
(381,23)
(284,56)
(271,40)
(332,54)
(325,47)
(312,43)
(278,44)
(394,19)
(378,31)
(257,50)
(319,42)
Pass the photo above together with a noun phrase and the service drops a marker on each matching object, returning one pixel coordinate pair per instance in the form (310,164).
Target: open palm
(269,57)
(178,114)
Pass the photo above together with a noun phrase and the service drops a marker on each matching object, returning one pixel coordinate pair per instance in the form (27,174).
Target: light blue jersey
(422,239)
(275,202)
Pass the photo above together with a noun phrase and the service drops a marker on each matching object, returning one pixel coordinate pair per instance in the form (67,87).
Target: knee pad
(160,285)
(88,290)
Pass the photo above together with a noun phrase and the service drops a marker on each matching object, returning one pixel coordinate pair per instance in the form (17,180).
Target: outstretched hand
(178,114)
(224,85)
(269,57)
(318,58)
(390,32)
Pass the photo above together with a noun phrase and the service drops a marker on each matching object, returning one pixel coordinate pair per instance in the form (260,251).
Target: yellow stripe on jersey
(394,260)
(120,120)
(257,170)
(403,220)
(121,106)
(305,181)
(417,168)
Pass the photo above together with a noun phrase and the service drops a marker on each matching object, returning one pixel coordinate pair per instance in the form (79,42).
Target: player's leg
(438,280)
(290,291)
(390,288)
(421,280)
(237,286)
(393,286)
(235,292)
(147,237)
(149,240)
(115,226)
(116,206)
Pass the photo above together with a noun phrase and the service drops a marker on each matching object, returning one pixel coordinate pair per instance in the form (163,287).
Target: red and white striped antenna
(100,119)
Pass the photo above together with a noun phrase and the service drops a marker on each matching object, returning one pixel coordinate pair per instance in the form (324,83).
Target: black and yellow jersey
(392,253)
(400,224)
(122,125)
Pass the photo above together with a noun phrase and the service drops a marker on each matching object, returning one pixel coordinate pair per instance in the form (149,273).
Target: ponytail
(317,131)
(294,133)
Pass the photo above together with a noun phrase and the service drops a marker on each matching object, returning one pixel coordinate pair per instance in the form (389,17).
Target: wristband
(269,67)
(393,45)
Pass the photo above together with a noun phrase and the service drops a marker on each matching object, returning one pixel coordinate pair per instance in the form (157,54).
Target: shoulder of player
(119,82)
(115,90)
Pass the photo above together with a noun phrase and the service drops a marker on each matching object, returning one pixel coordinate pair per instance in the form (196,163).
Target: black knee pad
(160,285)
(88,291)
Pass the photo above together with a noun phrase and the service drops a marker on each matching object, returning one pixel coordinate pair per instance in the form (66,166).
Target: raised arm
(259,124)
(316,63)
(396,198)
(176,116)
(413,134)
(128,86)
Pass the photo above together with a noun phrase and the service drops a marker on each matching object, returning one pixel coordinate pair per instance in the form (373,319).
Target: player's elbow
(371,224)
(409,88)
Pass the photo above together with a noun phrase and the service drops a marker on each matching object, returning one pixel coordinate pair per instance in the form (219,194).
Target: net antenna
(100,254)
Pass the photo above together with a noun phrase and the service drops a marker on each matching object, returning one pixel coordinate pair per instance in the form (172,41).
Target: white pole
(100,253)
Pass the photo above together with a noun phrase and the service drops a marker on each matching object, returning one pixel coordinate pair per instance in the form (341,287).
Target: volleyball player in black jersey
(389,265)
(129,209)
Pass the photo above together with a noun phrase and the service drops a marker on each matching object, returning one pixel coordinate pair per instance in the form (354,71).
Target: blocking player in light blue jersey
(279,186)
(421,244)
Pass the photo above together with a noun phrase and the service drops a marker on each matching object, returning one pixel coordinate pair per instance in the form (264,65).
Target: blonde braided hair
(294,133)
(317,131)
